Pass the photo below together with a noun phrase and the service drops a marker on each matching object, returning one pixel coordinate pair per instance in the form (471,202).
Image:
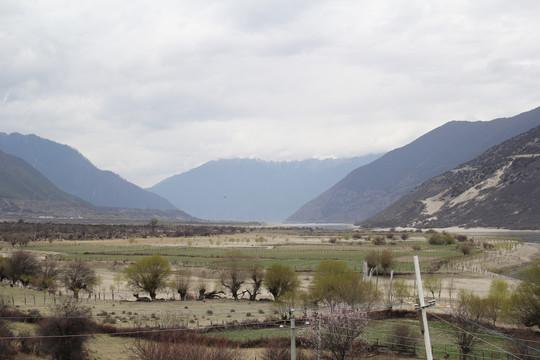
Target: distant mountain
(74,174)
(499,189)
(19,180)
(251,189)
(370,188)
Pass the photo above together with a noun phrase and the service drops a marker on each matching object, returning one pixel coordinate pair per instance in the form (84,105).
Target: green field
(301,257)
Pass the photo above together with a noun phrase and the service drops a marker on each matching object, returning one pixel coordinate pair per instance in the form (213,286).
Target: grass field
(301,254)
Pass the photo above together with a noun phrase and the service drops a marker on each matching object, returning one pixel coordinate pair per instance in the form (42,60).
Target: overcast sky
(149,89)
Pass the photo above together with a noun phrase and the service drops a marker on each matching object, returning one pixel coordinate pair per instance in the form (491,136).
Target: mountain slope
(74,174)
(250,189)
(19,180)
(500,188)
(370,188)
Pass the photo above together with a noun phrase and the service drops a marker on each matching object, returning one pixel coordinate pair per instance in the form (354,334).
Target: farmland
(112,302)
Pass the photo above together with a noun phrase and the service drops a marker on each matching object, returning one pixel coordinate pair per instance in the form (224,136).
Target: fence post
(293,337)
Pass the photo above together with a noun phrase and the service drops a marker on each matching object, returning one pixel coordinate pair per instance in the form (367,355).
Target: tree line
(21,232)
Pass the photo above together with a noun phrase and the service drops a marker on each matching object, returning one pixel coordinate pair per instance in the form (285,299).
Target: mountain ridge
(370,188)
(73,173)
(499,188)
(253,189)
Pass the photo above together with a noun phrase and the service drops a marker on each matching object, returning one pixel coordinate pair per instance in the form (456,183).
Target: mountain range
(25,193)
(71,172)
(372,187)
(498,189)
(39,176)
(253,189)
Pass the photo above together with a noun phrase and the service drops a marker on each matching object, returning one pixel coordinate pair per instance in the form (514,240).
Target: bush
(525,351)
(466,249)
(158,349)
(70,318)
(27,343)
(8,346)
(403,339)
(281,353)
(378,240)
(441,239)
(461,238)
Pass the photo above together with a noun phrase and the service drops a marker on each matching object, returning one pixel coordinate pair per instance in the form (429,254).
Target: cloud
(150,89)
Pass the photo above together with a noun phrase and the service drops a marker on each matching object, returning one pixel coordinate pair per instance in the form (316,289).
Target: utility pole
(422,308)
(293,338)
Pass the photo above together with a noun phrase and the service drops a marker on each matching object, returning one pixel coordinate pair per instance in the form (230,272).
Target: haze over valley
(312,191)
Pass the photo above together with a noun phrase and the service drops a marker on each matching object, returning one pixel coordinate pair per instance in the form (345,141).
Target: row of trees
(20,233)
(333,282)
(24,267)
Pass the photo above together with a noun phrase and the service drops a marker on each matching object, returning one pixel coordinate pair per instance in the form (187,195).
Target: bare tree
(49,273)
(256,275)
(450,286)
(153,223)
(183,281)
(232,272)
(466,332)
(23,267)
(338,330)
(70,318)
(79,276)
(432,284)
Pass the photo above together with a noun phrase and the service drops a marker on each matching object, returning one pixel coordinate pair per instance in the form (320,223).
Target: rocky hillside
(499,189)
(371,188)
(73,173)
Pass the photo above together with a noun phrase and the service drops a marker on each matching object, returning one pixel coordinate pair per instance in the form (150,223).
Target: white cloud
(150,89)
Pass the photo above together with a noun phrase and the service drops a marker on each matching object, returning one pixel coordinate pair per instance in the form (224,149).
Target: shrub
(441,239)
(403,339)
(158,349)
(466,249)
(372,259)
(386,259)
(461,238)
(339,331)
(416,247)
(70,318)
(281,353)
(378,240)
(27,343)
(8,346)
(525,347)
(404,236)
